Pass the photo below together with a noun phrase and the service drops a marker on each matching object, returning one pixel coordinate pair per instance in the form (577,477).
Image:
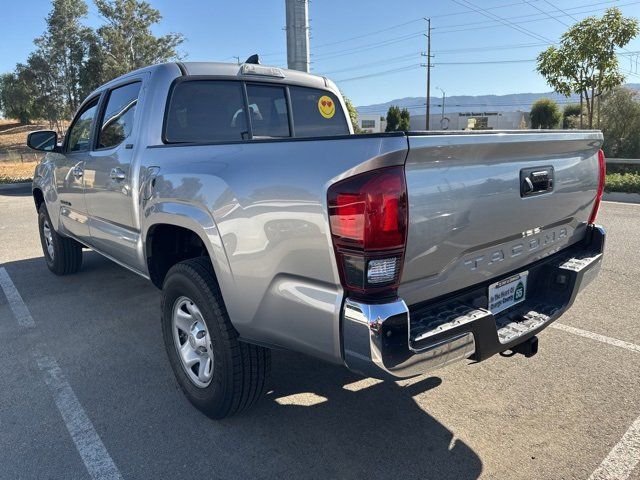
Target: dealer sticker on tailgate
(507,292)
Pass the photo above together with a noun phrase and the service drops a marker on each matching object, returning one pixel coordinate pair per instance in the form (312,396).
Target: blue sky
(370,48)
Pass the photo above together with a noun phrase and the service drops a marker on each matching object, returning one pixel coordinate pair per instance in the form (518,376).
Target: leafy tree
(585,61)
(404,120)
(393,119)
(16,99)
(353,115)
(64,46)
(621,123)
(92,75)
(397,120)
(46,90)
(126,39)
(571,116)
(545,114)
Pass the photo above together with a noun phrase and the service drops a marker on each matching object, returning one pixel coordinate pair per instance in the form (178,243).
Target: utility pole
(428,71)
(237,59)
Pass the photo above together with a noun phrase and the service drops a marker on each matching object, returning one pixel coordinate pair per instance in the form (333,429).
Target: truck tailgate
(472,214)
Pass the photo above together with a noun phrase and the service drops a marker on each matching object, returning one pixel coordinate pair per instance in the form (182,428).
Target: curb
(15,186)
(621,197)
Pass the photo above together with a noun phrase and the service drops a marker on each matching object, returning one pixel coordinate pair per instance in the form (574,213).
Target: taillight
(368,220)
(602,173)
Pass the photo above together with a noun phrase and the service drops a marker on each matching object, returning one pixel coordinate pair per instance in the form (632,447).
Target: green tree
(64,46)
(393,119)
(585,60)
(620,113)
(353,115)
(404,120)
(16,97)
(47,91)
(545,114)
(571,116)
(126,39)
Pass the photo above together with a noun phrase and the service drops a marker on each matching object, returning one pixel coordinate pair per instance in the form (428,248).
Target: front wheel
(218,373)
(62,254)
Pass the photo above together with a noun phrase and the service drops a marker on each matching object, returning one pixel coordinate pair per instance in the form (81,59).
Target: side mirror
(44,140)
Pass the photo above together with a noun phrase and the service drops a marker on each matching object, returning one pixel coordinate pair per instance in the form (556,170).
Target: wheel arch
(38,197)
(177,232)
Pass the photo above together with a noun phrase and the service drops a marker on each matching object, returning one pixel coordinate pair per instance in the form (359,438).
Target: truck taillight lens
(602,173)
(368,220)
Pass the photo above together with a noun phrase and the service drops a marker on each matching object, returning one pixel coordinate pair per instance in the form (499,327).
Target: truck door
(69,170)
(109,192)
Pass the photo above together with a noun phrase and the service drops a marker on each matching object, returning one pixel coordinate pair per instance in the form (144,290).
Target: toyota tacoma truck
(242,193)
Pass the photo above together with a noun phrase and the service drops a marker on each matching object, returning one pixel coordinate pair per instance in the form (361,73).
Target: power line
(491,24)
(386,61)
(353,50)
(548,14)
(377,74)
(486,13)
(398,25)
(319,58)
(440,29)
(489,48)
(488,62)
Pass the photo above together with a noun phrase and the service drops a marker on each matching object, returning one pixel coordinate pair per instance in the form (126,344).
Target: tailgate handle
(535,181)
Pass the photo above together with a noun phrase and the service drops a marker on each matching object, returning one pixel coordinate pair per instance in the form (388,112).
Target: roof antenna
(253,59)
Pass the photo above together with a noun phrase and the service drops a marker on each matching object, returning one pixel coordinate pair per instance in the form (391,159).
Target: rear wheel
(63,255)
(219,374)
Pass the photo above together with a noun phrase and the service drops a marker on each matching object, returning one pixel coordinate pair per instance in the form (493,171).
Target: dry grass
(13,141)
(16,172)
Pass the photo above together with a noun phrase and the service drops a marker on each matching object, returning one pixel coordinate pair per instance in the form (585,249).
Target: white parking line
(623,458)
(20,310)
(596,336)
(94,454)
(92,451)
(625,455)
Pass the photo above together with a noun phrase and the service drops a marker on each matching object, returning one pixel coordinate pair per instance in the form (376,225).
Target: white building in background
(469,120)
(372,123)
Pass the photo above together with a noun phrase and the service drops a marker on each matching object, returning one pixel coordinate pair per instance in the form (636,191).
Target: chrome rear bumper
(390,340)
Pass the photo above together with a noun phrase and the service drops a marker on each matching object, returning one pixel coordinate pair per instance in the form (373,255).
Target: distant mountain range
(473,103)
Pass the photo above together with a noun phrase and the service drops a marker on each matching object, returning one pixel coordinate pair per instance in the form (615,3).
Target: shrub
(623,182)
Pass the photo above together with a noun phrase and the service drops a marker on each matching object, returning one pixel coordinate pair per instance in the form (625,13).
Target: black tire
(67,253)
(241,370)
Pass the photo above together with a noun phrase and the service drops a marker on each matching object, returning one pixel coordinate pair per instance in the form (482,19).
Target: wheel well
(38,198)
(167,245)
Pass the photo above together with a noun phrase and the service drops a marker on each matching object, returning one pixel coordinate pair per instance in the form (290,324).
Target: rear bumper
(393,340)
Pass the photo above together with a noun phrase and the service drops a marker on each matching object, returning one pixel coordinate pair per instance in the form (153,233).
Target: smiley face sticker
(326,106)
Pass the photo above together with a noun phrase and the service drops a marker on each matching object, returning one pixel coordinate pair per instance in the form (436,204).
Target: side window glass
(80,132)
(206,111)
(268,110)
(317,113)
(119,113)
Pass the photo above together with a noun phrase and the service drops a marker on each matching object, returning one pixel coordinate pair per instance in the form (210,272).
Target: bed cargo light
(368,220)
(252,69)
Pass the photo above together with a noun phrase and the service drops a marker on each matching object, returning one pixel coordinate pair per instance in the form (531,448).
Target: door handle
(77,172)
(117,174)
(536,181)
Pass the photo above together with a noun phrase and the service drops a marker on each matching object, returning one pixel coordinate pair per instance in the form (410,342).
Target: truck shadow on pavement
(358,428)
(318,420)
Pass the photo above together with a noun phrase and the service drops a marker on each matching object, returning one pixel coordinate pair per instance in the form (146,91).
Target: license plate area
(507,292)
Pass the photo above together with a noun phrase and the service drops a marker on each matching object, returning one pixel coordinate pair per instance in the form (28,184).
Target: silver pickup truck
(242,193)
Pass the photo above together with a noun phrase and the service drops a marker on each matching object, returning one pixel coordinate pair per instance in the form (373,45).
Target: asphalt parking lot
(87,391)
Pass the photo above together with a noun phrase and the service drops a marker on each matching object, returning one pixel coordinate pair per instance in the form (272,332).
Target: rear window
(268,110)
(206,111)
(317,113)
